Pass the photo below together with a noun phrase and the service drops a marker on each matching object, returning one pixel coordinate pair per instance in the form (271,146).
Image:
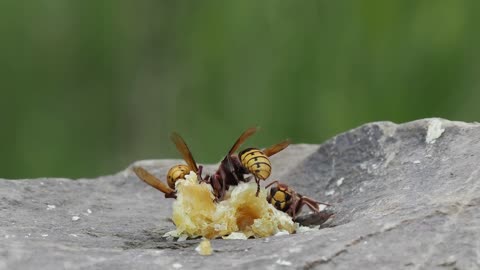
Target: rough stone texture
(400,203)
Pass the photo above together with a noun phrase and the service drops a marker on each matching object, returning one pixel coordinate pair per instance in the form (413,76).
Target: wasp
(251,161)
(286,199)
(175,173)
(232,169)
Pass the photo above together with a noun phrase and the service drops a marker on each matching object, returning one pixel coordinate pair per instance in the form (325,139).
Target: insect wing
(247,133)
(152,180)
(183,149)
(272,150)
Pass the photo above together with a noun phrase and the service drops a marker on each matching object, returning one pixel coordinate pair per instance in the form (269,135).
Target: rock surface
(406,197)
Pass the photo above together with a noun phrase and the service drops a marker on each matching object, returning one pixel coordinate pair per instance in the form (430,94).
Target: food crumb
(177,265)
(236,236)
(75,218)
(280,233)
(50,206)
(204,248)
(195,212)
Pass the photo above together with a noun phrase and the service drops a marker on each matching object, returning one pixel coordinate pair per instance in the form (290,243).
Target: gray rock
(405,197)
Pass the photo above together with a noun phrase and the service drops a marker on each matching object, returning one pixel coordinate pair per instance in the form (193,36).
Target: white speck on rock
(44,235)
(451,260)
(340,181)
(283,262)
(434,131)
(74,235)
(370,257)
(295,250)
(51,206)
(89,211)
(177,266)
(75,218)
(330,192)
(361,189)
(388,226)
(416,162)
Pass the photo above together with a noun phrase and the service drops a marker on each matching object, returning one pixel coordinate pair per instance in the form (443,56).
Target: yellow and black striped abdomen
(256,162)
(175,173)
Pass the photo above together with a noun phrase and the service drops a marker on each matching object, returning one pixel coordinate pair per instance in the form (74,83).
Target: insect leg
(313,201)
(222,177)
(314,207)
(258,186)
(199,173)
(231,168)
(293,207)
(207,179)
(273,182)
(215,182)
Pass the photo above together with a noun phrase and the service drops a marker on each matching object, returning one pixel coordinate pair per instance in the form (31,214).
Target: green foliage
(91,86)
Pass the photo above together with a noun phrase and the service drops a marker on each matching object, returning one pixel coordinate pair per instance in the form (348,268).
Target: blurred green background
(87,87)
